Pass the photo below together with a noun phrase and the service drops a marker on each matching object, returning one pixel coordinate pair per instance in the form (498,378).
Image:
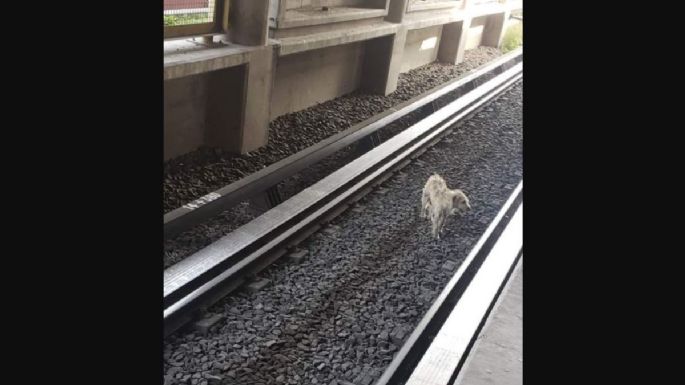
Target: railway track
(196,282)
(263,184)
(438,347)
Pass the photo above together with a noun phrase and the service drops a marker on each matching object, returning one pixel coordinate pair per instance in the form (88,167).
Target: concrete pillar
(257,111)
(382,63)
(494,29)
(453,42)
(396,10)
(238,105)
(249,22)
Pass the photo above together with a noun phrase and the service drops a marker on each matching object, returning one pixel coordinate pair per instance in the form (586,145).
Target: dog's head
(460,202)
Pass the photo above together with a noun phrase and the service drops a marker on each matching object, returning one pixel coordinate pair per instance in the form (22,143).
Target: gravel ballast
(200,172)
(183,245)
(366,279)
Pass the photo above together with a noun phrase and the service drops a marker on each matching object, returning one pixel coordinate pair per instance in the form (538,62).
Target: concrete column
(453,42)
(238,105)
(382,62)
(249,22)
(257,110)
(396,10)
(494,29)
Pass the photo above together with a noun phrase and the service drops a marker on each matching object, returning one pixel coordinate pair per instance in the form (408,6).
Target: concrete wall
(231,107)
(421,47)
(311,77)
(305,79)
(184,114)
(202,109)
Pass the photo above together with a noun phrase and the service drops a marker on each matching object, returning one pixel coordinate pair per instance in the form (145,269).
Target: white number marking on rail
(201,201)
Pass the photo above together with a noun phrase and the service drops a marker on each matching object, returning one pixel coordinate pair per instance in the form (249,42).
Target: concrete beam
(453,42)
(415,6)
(249,22)
(299,18)
(292,45)
(191,59)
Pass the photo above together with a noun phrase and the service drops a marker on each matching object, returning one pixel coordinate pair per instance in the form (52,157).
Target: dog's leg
(437,220)
(434,226)
(425,203)
(441,223)
(426,210)
(436,233)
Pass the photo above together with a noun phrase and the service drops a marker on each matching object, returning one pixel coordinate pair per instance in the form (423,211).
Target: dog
(438,202)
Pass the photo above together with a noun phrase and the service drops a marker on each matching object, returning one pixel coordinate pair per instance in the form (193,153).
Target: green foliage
(169,20)
(185,19)
(513,38)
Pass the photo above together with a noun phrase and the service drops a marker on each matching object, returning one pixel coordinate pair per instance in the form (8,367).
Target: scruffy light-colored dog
(438,202)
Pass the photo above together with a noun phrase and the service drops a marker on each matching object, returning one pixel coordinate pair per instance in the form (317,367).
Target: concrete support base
(494,29)
(315,76)
(383,62)
(453,42)
(245,128)
(257,285)
(227,108)
(421,47)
